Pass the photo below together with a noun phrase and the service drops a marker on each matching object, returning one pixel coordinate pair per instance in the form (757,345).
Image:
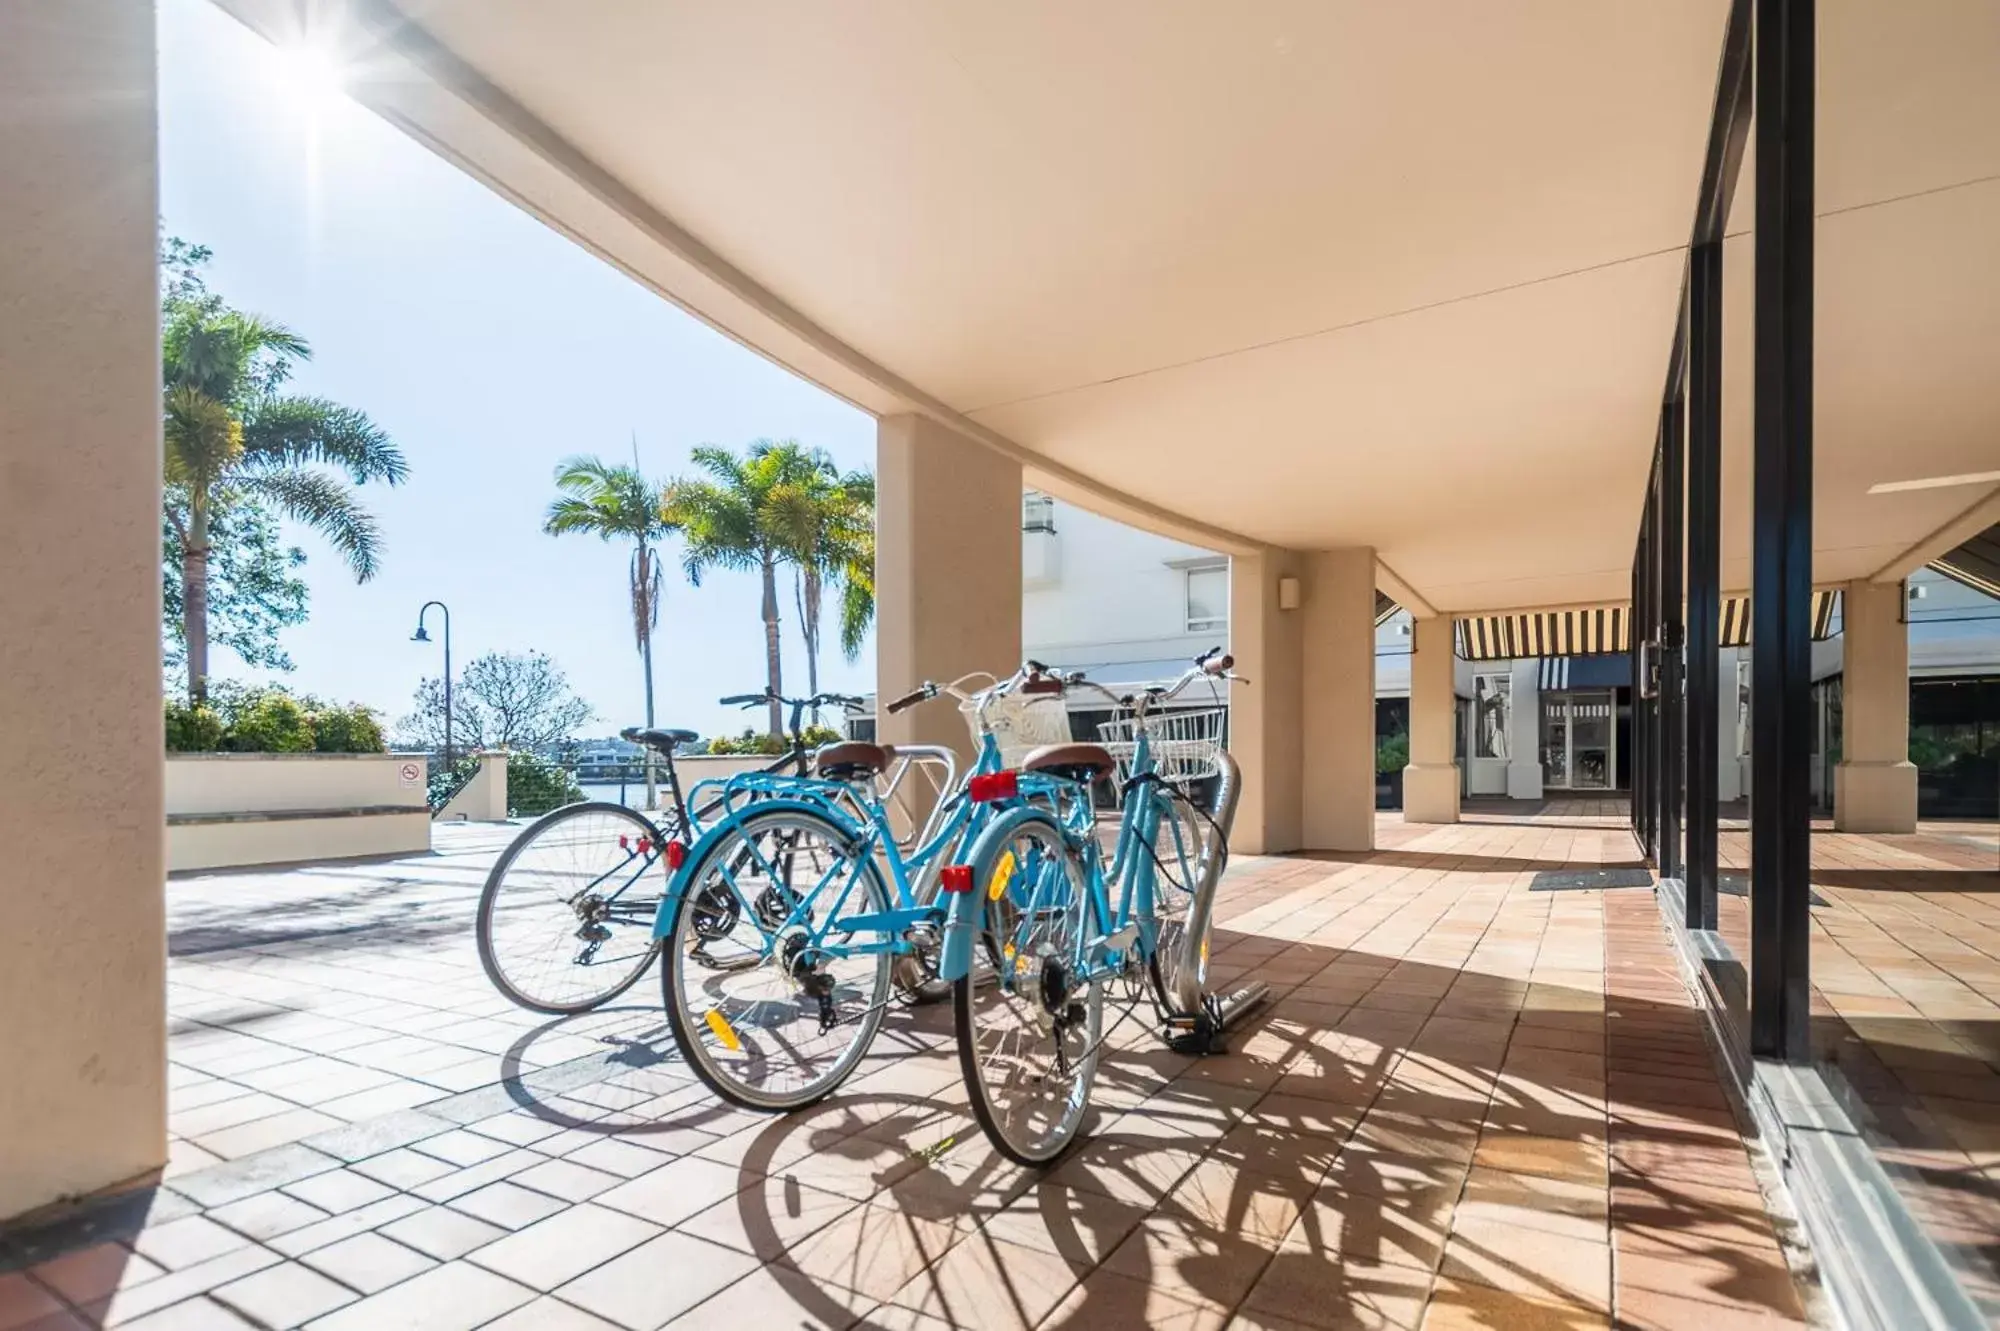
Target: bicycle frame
(911,874)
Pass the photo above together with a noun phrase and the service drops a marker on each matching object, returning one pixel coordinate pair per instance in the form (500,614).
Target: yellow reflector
(1204,952)
(1003,874)
(723,1030)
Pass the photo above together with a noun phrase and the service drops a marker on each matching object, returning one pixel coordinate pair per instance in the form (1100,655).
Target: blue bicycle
(1040,924)
(830,915)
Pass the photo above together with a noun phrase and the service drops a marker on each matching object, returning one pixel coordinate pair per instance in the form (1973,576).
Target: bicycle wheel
(1176,860)
(1028,1023)
(566,917)
(772,1013)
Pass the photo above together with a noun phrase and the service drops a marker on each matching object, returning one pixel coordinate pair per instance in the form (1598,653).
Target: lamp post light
(421,636)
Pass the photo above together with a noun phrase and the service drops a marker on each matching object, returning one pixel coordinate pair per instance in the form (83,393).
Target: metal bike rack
(1201,1018)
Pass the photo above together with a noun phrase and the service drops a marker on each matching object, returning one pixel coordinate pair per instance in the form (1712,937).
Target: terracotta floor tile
(1530,1262)
(1332,1293)
(1191,1263)
(82,1276)
(22,1301)
(1458,1306)
(1106,1300)
(986,1285)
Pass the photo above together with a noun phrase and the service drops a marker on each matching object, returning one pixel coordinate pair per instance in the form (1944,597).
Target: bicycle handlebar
(846,700)
(912,698)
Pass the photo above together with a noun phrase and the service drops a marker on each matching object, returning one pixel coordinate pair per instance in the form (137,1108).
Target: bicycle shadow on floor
(1316,1166)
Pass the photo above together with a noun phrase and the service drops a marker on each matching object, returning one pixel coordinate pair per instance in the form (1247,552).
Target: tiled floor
(1470,1105)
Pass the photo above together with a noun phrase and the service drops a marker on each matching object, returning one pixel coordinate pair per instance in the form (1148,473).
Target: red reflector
(624,843)
(677,854)
(645,845)
(994,786)
(956,878)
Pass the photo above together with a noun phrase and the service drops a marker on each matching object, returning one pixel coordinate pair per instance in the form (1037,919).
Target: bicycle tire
(677,952)
(489,910)
(1004,941)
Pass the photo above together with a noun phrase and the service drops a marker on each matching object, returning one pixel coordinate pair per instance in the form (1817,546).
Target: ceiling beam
(1953,534)
(1406,596)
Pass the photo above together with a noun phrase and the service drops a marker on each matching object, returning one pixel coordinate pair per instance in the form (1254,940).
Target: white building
(1128,607)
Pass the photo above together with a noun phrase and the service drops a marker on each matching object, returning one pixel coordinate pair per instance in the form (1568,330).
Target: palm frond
(327,506)
(289,431)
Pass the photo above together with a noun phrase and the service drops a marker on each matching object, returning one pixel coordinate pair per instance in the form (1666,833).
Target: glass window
(1038,512)
(1207,599)
(1742,708)
(1493,710)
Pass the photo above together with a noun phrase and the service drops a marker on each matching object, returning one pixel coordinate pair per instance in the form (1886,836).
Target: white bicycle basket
(1021,722)
(1184,743)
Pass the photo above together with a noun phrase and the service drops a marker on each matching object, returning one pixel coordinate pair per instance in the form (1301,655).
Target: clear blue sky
(489,347)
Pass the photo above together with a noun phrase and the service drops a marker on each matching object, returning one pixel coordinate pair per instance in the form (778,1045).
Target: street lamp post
(421,636)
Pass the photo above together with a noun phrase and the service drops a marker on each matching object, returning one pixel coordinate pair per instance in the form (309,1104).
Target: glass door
(1579,746)
(1590,762)
(1555,740)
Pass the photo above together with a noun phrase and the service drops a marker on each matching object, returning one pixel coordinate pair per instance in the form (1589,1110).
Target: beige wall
(1264,720)
(274,782)
(948,571)
(82,918)
(1337,715)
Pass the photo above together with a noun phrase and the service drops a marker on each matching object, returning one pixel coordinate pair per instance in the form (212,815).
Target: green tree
(825,522)
(232,434)
(254,589)
(731,522)
(508,700)
(617,503)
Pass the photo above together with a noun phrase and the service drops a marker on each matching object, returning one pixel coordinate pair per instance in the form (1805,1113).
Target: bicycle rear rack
(1200,1019)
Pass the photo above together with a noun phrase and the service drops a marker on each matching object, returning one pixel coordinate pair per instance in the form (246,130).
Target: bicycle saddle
(1072,762)
(852,760)
(666,741)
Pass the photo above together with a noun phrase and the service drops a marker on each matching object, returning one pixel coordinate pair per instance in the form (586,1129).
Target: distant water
(634,792)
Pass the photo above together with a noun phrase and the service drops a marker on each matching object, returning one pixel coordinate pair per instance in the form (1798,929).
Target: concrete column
(1875,785)
(1267,639)
(1430,782)
(1337,710)
(947,572)
(82,909)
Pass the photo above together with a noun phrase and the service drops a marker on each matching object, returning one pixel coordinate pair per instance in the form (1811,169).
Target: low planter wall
(232,809)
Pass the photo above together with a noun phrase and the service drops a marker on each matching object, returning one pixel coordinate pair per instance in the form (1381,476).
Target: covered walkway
(1473,1104)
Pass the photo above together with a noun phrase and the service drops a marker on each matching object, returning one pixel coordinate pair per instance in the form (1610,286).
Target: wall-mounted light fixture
(1288,593)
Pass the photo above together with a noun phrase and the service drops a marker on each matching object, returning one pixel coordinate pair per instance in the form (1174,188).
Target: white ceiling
(1309,273)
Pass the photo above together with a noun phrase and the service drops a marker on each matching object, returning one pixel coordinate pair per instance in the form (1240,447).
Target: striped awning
(1736,618)
(1605,628)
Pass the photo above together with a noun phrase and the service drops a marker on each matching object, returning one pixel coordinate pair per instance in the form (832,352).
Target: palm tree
(615,502)
(730,523)
(232,434)
(826,523)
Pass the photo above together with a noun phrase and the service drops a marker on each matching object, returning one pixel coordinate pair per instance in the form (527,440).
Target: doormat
(1738,885)
(1589,880)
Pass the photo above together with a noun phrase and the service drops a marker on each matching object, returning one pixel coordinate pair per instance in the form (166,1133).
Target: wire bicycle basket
(1021,723)
(1184,743)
